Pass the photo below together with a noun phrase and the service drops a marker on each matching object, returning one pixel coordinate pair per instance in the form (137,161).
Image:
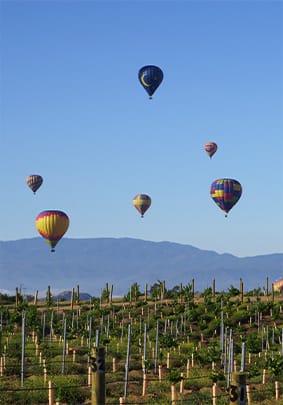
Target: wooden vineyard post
(266,287)
(78,295)
(111,294)
(182,384)
(144,385)
(277,390)
(188,367)
(214,394)
(35,298)
(160,372)
(50,393)
(264,376)
(89,376)
(17,297)
(145,292)
(241,290)
(249,394)
(114,364)
(272,289)
(173,394)
(168,360)
(98,376)
(72,298)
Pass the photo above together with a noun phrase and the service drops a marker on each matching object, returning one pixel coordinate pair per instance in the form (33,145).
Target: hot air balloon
(226,193)
(142,203)
(210,148)
(34,181)
(52,225)
(150,78)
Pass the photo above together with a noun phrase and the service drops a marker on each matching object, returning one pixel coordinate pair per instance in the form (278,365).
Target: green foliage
(253,343)
(167,341)
(275,365)
(174,376)
(188,320)
(254,370)
(233,291)
(216,376)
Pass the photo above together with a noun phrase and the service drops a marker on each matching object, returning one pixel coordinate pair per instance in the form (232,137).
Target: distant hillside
(90,263)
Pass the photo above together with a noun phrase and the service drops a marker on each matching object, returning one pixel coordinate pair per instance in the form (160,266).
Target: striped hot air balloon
(52,225)
(226,193)
(142,203)
(34,181)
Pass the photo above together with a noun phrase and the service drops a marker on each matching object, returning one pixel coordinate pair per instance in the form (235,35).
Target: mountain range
(91,263)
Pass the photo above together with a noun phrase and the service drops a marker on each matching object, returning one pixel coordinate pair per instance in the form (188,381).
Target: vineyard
(154,347)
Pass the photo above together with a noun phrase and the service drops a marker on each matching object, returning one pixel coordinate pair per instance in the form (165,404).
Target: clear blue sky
(72,110)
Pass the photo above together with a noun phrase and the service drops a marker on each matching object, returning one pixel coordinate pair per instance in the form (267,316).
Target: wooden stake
(89,376)
(160,372)
(144,385)
(168,360)
(182,384)
(173,394)
(249,394)
(188,367)
(214,394)
(264,376)
(50,393)
(277,390)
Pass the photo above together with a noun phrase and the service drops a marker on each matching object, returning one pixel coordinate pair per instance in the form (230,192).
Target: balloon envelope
(210,148)
(34,181)
(150,78)
(142,203)
(226,193)
(52,225)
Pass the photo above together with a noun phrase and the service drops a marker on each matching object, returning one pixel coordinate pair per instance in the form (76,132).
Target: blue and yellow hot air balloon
(210,148)
(150,78)
(142,203)
(34,181)
(225,193)
(52,225)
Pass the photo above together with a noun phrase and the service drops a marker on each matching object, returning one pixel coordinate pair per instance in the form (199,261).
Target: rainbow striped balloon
(225,193)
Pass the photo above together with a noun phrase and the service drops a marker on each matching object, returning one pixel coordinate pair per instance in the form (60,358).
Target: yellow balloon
(52,225)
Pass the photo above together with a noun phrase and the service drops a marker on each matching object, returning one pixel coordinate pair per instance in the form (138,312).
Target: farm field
(154,347)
